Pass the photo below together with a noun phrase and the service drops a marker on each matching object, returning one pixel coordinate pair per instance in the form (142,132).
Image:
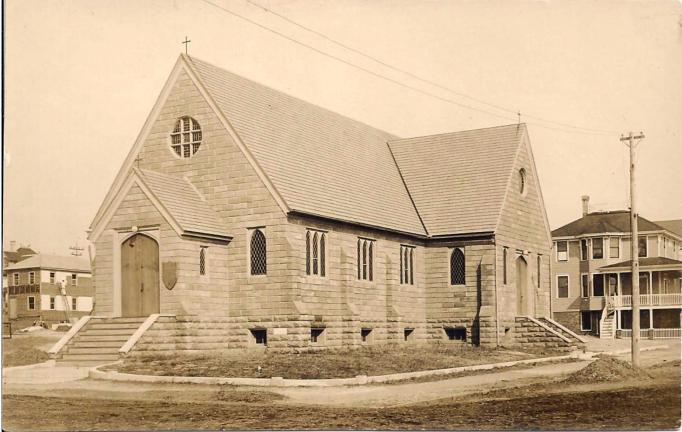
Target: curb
(45,364)
(95,373)
(627,350)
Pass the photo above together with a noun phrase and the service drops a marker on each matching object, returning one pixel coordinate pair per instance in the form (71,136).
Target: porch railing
(650,300)
(671,333)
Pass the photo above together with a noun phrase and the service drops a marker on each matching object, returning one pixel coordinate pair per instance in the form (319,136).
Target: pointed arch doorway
(521,286)
(139,276)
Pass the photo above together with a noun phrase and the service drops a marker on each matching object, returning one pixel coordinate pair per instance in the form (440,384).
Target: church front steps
(99,341)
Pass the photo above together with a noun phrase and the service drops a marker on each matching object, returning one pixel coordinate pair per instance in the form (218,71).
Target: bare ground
(630,408)
(28,348)
(641,403)
(344,363)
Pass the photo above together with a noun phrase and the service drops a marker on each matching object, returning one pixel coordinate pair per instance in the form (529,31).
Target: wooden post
(634,243)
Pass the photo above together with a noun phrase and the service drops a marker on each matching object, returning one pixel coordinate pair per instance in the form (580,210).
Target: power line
(413,75)
(383,77)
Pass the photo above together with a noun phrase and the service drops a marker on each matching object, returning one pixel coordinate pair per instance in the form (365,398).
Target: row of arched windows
(315,252)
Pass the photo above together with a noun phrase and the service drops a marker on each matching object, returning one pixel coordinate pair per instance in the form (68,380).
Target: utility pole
(634,248)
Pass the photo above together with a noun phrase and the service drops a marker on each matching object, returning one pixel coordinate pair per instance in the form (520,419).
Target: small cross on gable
(186,43)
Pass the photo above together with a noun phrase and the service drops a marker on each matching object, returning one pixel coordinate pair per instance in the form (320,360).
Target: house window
(642,247)
(597,248)
(598,285)
(74,303)
(407,334)
(562,286)
(259,264)
(31,278)
(316,335)
(585,321)
(522,182)
(52,277)
(614,247)
(74,279)
(504,266)
(202,260)
(260,336)
(407,265)
(186,137)
(315,253)
(15,277)
(457,267)
(52,303)
(365,334)
(585,285)
(365,261)
(31,302)
(583,249)
(562,251)
(539,270)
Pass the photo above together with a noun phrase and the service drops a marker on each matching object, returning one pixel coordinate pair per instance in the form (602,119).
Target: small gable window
(457,275)
(259,264)
(522,182)
(315,253)
(186,137)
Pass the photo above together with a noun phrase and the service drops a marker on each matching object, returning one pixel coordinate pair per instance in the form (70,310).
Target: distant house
(592,281)
(12,255)
(50,288)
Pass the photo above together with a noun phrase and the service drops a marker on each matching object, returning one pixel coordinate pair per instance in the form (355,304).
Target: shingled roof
(603,222)
(184,204)
(458,180)
(321,162)
(644,263)
(673,225)
(52,262)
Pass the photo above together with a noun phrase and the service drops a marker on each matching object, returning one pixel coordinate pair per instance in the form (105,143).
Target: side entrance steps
(607,329)
(532,333)
(563,330)
(99,340)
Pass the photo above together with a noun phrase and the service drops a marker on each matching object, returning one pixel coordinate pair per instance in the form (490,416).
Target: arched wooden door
(521,286)
(139,276)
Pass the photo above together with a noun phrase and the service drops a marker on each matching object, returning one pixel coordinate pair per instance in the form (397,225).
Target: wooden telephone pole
(634,248)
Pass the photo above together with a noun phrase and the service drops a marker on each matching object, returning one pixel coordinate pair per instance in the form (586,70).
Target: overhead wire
(576,130)
(413,75)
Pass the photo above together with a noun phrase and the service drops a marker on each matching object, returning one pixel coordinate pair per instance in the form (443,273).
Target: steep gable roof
(603,222)
(52,262)
(184,204)
(458,180)
(321,162)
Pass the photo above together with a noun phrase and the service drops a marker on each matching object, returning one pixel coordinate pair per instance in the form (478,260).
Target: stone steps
(100,340)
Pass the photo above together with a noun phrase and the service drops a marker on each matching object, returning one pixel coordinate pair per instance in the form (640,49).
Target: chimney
(586,204)
(12,245)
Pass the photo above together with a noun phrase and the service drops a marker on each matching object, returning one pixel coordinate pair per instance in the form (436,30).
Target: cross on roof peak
(186,43)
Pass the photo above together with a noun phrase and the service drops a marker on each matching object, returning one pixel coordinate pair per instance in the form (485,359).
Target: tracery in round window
(522,181)
(186,137)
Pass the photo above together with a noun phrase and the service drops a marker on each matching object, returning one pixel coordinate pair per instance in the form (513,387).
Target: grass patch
(332,363)
(24,349)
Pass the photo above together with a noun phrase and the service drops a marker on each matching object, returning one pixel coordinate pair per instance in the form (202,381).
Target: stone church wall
(522,231)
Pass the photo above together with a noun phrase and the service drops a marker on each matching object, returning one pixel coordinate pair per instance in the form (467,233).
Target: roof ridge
(445,134)
(280,92)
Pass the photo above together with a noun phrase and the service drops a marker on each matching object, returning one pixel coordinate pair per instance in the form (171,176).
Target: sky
(81,76)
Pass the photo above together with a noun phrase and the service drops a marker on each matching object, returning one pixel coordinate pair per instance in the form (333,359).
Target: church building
(243,217)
